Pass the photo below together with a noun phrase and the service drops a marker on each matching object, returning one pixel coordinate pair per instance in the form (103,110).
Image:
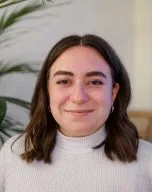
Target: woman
(79,138)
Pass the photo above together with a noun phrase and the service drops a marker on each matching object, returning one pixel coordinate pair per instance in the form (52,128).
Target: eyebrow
(89,74)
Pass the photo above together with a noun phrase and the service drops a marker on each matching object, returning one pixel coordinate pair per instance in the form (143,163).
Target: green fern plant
(9,126)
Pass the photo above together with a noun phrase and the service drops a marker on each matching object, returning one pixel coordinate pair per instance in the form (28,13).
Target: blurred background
(28,30)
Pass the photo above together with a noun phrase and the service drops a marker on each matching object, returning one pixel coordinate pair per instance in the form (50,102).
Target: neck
(79,144)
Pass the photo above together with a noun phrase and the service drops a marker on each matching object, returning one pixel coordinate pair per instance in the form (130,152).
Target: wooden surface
(143,122)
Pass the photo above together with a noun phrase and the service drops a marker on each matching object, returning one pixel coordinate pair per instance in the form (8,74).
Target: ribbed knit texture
(76,167)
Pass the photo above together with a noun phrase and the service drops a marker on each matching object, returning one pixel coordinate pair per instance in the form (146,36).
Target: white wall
(116,21)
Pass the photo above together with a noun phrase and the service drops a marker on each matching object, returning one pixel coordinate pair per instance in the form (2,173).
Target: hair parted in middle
(122,138)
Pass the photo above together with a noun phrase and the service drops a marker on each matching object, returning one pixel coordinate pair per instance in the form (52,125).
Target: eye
(96,82)
(63,82)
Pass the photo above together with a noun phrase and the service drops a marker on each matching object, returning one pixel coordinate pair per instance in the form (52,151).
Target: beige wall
(142,54)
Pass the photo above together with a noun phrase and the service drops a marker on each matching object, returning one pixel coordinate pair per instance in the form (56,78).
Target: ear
(115,91)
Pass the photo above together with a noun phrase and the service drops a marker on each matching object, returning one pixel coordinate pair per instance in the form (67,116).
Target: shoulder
(145,156)
(7,157)
(145,149)
(15,143)
(143,144)
(6,154)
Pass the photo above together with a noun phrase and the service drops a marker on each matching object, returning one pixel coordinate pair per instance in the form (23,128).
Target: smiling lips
(79,112)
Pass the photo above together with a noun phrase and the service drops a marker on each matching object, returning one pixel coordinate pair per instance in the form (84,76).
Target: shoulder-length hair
(122,138)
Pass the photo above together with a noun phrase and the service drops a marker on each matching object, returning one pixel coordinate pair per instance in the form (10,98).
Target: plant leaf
(9,127)
(19,68)
(2,139)
(5,133)
(6,3)
(9,123)
(14,16)
(16,130)
(15,2)
(16,101)
(1,1)
(3,108)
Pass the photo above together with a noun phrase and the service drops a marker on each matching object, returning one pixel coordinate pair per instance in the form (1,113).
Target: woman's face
(81,91)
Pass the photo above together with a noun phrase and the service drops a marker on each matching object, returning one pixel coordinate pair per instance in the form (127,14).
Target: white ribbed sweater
(76,167)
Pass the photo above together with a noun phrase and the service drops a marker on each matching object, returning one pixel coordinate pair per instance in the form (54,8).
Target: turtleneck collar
(80,144)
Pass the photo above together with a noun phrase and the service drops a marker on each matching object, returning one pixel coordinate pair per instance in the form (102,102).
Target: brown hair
(40,135)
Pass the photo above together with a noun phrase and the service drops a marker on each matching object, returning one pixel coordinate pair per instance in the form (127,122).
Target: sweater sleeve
(2,168)
(4,161)
(150,171)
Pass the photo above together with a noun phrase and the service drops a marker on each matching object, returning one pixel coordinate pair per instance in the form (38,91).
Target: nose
(78,95)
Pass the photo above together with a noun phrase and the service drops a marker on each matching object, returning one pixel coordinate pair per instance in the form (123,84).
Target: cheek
(57,99)
(104,103)
(104,97)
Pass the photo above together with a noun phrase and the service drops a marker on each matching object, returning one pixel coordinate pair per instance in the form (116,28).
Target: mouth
(79,112)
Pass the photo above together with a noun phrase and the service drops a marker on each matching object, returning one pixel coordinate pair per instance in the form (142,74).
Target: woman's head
(81,91)
(82,55)
(82,86)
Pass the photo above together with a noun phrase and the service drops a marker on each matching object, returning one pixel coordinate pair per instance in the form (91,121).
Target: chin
(81,131)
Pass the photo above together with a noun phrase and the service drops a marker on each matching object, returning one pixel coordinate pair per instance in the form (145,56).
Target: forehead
(80,60)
